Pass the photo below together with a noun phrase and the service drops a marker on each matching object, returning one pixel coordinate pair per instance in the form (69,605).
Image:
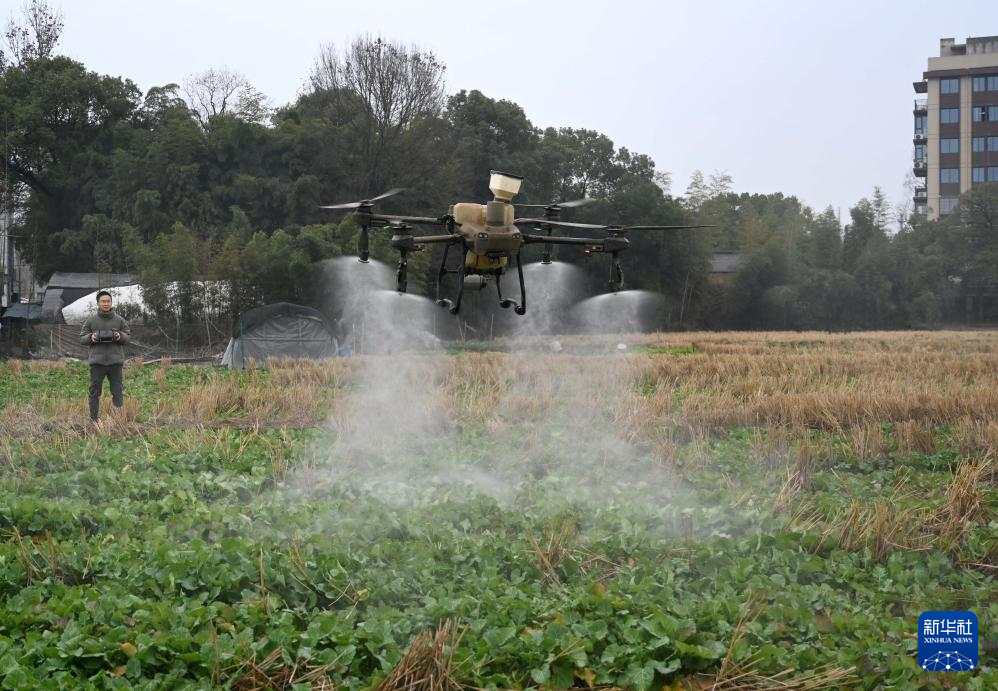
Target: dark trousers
(116,380)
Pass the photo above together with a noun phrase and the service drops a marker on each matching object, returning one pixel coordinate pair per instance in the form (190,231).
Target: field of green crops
(282,528)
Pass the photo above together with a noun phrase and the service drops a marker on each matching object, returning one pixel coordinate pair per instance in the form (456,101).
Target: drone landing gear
(518,307)
(452,306)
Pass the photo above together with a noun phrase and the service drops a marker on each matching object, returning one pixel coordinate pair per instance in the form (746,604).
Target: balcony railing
(921,104)
(921,193)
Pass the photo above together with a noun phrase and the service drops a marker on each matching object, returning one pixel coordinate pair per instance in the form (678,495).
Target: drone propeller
(364,216)
(365,202)
(624,229)
(561,205)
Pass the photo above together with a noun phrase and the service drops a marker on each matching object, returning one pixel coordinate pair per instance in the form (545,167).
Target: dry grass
(974,436)
(43,559)
(964,504)
(902,520)
(428,665)
(744,675)
(799,476)
(770,445)
(783,383)
(845,384)
(867,441)
(159,375)
(911,436)
(551,550)
(272,673)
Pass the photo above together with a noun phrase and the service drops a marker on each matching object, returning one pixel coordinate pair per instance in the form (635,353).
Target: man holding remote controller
(107,335)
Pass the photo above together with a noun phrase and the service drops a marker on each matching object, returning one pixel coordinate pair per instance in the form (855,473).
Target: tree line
(205,179)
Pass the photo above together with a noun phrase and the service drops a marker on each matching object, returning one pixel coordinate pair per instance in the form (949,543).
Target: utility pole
(6,244)
(6,248)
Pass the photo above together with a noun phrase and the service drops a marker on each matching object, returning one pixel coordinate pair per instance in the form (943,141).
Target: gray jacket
(105,353)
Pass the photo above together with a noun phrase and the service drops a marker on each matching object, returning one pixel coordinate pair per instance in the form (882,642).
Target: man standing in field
(106,334)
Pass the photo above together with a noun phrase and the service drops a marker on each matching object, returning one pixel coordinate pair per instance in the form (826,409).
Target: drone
(486,238)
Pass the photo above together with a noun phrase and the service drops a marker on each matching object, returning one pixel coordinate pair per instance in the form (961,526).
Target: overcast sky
(809,99)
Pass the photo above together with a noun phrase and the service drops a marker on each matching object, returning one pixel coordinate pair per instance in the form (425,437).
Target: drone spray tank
(504,185)
(499,211)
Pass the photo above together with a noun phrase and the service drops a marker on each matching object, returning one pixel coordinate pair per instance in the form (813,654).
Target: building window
(979,84)
(949,175)
(979,114)
(947,205)
(992,143)
(949,146)
(992,173)
(993,82)
(977,144)
(992,113)
(951,115)
(921,152)
(949,86)
(977,175)
(921,124)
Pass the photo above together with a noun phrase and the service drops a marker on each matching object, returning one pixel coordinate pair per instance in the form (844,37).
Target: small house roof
(30,311)
(724,262)
(92,281)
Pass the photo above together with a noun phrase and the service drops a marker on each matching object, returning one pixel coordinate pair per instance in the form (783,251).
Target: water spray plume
(628,311)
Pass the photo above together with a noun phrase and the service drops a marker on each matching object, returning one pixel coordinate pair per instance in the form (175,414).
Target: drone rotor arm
(431,239)
(418,220)
(542,222)
(608,244)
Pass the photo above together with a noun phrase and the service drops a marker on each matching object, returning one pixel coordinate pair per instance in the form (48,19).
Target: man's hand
(93,337)
(117,335)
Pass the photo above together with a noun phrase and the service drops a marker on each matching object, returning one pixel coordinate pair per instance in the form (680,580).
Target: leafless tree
(396,85)
(35,37)
(663,179)
(719,184)
(222,91)
(904,209)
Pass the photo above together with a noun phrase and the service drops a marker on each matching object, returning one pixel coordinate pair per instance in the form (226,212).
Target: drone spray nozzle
(363,245)
(548,249)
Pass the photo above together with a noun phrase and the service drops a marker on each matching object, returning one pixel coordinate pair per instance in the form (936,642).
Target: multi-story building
(956,123)
(16,277)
